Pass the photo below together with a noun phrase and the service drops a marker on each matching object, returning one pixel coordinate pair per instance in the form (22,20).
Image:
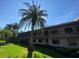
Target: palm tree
(8,26)
(34,17)
(13,27)
(7,33)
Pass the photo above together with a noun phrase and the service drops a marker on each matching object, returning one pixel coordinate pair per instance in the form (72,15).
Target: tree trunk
(31,46)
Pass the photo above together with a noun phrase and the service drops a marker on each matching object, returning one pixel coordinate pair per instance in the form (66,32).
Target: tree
(8,26)
(0,33)
(34,17)
(6,33)
(13,27)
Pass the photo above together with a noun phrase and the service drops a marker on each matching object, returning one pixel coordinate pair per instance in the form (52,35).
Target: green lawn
(37,54)
(12,50)
(43,52)
(2,41)
(15,51)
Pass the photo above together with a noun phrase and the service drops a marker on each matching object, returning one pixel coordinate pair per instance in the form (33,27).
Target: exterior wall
(63,42)
(76,40)
(60,35)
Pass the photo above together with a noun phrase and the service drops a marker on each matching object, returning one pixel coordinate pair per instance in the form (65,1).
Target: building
(62,35)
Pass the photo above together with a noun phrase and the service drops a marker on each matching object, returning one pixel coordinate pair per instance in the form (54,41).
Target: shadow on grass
(31,49)
(29,55)
(42,49)
(26,46)
(20,44)
(2,44)
(49,52)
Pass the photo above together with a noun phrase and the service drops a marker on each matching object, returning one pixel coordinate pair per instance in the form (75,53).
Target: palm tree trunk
(31,46)
(31,40)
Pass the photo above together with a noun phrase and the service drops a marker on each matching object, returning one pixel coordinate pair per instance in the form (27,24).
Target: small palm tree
(13,27)
(34,17)
(7,33)
(8,26)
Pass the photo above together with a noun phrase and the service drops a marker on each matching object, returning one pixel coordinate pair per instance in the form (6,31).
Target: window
(34,40)
(34,33)
(40,40)
(54,31)
(27,41)
(77,28)
(55,41)
(22,35)
(72,43)
(68,30)
(46,33)
(46,40)
(39,32)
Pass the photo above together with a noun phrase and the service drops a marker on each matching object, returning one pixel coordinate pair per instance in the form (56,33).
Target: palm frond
(33,16)
(39,7)
(27,4)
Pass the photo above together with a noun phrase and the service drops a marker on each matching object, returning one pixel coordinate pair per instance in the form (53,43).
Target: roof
(76,22)
(64,24)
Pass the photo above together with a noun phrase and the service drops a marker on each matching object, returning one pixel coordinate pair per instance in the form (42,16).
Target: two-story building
(62,35)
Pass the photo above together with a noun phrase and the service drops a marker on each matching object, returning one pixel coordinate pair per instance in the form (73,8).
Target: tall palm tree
(34,17)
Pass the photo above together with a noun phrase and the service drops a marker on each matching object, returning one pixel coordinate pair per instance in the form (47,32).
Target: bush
(68,52)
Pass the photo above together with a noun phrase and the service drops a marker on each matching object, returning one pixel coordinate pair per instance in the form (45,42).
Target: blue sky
(59,11)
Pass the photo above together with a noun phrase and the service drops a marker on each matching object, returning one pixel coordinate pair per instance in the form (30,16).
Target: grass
(16,51)
(2,41)
(37,54)
(48,52)
(12,50)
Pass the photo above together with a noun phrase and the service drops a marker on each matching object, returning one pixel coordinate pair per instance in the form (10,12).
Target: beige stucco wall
(61,36)
(63,43)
